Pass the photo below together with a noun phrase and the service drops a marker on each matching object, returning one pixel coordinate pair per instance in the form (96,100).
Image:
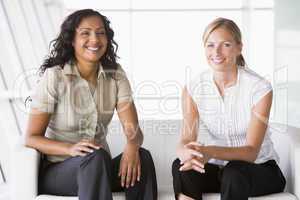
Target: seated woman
(232,104)
(72,106)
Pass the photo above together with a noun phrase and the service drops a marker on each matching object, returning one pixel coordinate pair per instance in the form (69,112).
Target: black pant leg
(89,177)
(148,177)
(146,188)
(59,178)
(94,176)
(235,182)
(269,180)
(241,180)
(192,183)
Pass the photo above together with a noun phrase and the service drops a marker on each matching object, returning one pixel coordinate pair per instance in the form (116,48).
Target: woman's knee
(145,156)
(233,177)
(98,157)
(175,166)
(144,152)
(147,163)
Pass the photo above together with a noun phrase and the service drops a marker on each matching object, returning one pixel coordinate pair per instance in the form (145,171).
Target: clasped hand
(193,156)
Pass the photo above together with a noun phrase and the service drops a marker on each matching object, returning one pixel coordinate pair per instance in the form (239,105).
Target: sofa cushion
(281,196)
(168,195)
(164,194)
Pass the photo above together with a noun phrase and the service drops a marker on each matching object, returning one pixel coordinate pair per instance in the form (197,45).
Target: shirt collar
(239,71)
(101,71)
(71,69)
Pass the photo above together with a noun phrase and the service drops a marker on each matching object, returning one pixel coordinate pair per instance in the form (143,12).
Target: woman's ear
(240,46)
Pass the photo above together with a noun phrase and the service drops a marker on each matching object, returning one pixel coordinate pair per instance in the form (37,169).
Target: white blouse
(226,119)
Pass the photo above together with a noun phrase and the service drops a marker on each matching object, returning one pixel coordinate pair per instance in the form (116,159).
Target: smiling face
(222,50)
(90,41)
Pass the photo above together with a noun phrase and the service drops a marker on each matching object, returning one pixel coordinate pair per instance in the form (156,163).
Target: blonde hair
(231,27)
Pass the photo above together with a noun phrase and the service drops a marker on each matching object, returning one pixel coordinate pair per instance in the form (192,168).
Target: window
(160,44)
(161,48)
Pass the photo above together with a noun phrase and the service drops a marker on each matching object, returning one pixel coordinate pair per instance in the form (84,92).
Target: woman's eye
(100,33)
(227,44)
(84,33)
(209,45)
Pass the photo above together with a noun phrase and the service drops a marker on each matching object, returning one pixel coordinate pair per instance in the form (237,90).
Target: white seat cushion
(162,195)
(278,196)
(168,195)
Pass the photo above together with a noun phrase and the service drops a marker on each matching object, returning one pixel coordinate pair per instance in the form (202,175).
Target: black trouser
(95,177)
(238,180)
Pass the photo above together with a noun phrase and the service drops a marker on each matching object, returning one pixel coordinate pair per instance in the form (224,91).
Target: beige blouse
(78,113)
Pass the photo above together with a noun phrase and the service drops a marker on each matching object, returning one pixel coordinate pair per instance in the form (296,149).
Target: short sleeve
(260,89)
(45,95)
(193,86)
(200,86)
(124,92)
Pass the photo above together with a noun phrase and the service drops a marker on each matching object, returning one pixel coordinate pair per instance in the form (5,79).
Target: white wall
(287,67)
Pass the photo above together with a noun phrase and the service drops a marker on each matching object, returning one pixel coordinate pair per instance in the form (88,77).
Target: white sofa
(160,138)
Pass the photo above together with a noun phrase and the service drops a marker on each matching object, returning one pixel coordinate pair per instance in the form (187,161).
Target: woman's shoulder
(52,75)
(251,77)
(53,71)
(201,83)
(120,68)
(119,73)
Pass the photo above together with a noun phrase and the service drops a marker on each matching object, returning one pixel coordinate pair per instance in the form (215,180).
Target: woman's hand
(83,148)
(130,166)
(184,153)
(196,163)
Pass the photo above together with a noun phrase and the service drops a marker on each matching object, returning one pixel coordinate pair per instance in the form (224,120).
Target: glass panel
(10,57)
(44,20)
(262,3)
(36,37)
(262,43)
(55,10)
(179,4)
(10,127)
(97,4)
(120,23)
(167,53)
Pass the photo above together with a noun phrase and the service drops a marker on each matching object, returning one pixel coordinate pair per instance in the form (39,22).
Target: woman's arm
(36,128)
(35,138)
(130,166)
(189,133)
(255,136)
(129,120)
(190,122)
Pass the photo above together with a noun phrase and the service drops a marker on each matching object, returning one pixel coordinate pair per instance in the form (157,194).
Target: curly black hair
(62,50)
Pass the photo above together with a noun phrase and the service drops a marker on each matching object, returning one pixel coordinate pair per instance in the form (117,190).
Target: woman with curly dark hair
(73,104)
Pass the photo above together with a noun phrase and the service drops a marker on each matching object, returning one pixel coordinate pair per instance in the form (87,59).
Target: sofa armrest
(24,173)
(295,159)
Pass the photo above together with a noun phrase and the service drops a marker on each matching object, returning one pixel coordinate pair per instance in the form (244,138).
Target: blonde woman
(233,104)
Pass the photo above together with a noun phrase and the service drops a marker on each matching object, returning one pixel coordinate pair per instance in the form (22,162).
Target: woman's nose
(94,37)
(218,49)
